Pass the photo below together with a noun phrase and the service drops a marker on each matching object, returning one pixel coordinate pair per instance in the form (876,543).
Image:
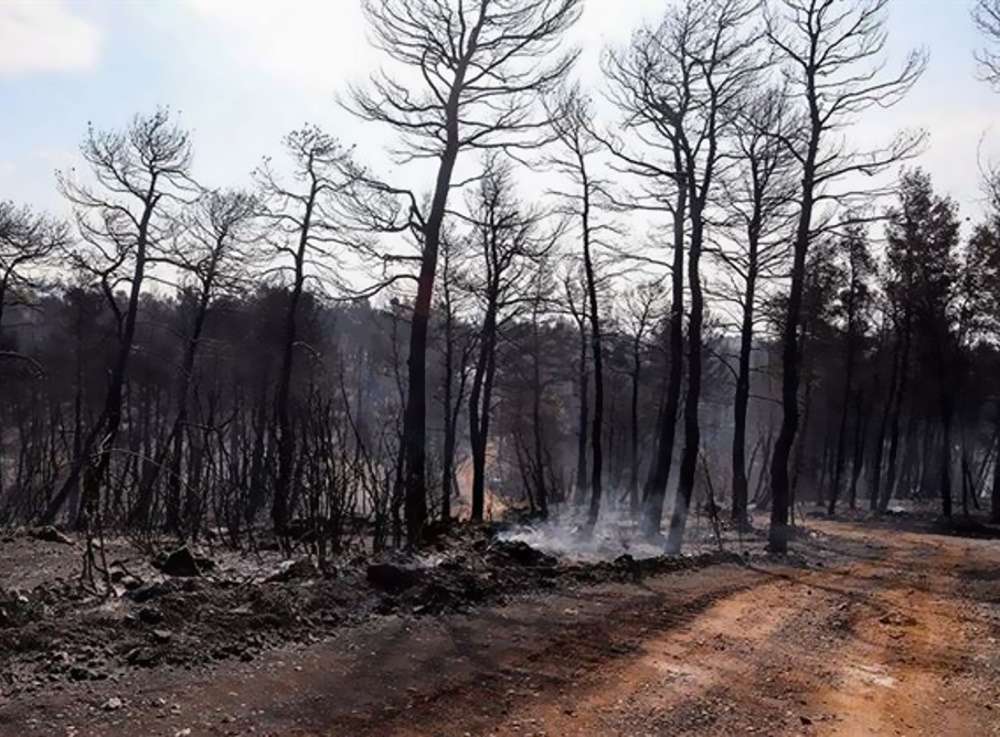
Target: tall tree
(28,243)
(983,263)
(758,192)
(856,267)
(481,65)
(576,306)
(458,350)
(641,315)
(571,115)
(683,80)
(309,229)
(139,174)
(656,162)
(922,236)
(717,61)
(211,254)
(505,234)
(832,56)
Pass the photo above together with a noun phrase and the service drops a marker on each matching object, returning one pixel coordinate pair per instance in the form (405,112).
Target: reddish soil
(872,630)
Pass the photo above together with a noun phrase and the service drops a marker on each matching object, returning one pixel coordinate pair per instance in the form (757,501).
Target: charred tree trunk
(414,439)
(655,491)
(633,477)
(479,409)
(845,410)
(597,433)
(780,484)
(286,434)
(692,402)
(947,417)
(452,404)
(101,438)
(583,375)
(541,485)
(890,479)
(741,401)
(878,445)
(862,418)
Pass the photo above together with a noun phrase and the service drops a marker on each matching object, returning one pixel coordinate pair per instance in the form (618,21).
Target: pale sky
(242,73)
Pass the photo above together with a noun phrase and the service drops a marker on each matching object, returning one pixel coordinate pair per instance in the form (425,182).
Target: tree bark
(692,402)
(597,434)
(654,494)
(741,400)
(102,435)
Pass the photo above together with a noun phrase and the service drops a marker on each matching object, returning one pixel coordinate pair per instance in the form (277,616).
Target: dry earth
(870,629)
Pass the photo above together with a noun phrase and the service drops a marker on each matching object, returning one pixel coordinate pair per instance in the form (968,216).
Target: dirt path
(896,633)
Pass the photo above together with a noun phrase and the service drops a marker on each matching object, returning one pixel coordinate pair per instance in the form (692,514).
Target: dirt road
(883,632)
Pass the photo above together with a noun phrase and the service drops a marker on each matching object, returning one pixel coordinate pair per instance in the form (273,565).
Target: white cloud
(43,35)
(307,44)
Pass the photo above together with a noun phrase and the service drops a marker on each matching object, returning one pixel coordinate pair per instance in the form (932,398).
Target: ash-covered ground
(205,605)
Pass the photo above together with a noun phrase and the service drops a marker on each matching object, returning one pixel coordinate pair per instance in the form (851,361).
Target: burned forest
(570,383)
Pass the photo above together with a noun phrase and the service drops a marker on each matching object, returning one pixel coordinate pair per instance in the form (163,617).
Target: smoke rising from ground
(564,535)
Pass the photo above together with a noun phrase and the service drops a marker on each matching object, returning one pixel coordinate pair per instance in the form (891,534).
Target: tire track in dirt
(903,669)
(576,661)
(892,635)
(877,646)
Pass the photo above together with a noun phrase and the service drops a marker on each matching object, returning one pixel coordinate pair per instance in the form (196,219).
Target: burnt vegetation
(678,293)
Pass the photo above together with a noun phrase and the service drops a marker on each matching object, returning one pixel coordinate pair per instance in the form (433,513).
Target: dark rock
(624,561)
(142,656)
(148,615)
(50,534)
(125,579)
(148,592)
(81,673)
(294,570)
(392,578)
(520,553)
(180,563)
(455,564)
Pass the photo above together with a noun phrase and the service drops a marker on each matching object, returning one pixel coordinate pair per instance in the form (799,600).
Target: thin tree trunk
(597,434)
(479,408)
(692,402)
(742,399)
(101,438)
(838,467)
(633,478)
(861,421)
(890,480)
(584,419)
(655,491)
(995,490)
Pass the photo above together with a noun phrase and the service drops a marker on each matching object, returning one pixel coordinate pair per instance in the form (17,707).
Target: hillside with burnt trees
(589,353)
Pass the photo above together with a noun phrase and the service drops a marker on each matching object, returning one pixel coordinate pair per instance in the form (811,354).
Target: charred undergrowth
(56,632)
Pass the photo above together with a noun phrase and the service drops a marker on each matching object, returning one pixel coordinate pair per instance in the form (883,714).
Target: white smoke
(565,535)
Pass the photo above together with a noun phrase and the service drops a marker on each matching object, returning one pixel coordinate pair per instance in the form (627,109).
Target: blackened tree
(480,67)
